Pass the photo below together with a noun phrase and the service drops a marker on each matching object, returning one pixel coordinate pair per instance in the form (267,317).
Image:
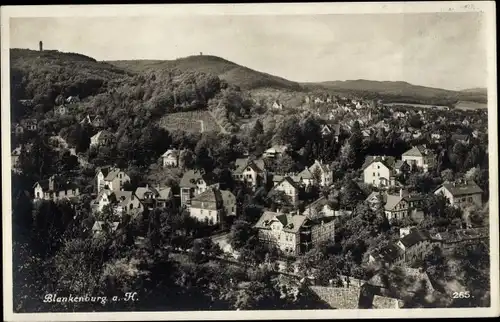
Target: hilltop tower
(40,45)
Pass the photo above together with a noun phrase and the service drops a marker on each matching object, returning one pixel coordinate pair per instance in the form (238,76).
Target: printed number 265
(461,295)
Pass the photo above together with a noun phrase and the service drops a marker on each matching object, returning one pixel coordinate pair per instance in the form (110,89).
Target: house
(450,240)
(122,202)
(389,255)
(322,208)
(379,171)
(289,188)
(171,158)
(275,151)
(212,205)
(461,194)
(14,157)
(111,178)
(416,245)
(395,206)
(101,227)
(193,183)
(293,234)
(322,172)
(277,105)
(55,188)
(420,157)
(250,171)
(127,202)
(103,137)
(334,130)
(104,198)
(401,167)
(154,197)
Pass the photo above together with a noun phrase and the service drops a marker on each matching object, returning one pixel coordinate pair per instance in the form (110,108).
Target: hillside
(401,92)
(232,73)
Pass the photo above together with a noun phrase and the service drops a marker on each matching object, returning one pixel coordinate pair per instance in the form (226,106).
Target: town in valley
(244,191)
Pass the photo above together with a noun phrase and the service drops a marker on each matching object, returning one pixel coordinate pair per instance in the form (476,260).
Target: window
(373,181)
(374,174)
(469,199)
(131,206)
(210,212)
(378,167)
(120,176)
(378,174)
(201,211)
(38,194)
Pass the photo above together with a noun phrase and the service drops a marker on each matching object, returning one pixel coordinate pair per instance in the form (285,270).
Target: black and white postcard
(249,161)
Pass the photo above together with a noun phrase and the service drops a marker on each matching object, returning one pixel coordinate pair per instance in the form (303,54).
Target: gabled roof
(305,174)
(191,177)
(462,189)
(414,238)
(256,165)
(392,201)
(388,253)
(109,172)
(104,134)
(164,193)
(291,223)
(338,297)
(276,149)
(417,151)
(388,161)
(171,153)
(141,191)
(290,181)
(99,225)
(210,199)
(318,203)
(60,184)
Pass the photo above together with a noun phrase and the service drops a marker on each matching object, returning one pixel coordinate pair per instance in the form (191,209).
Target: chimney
(401,193)
(147,186)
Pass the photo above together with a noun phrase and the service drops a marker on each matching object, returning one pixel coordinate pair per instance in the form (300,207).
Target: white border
(488,7)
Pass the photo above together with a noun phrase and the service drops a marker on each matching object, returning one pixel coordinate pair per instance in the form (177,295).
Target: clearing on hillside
(192,121)
(467,105)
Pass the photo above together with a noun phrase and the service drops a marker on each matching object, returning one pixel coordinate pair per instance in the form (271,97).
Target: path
(202,126)
(222,129)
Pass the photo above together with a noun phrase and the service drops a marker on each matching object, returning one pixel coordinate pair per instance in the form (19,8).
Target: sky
(444,50)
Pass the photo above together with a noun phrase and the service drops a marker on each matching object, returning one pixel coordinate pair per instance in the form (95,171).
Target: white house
(101,138)
(275,151)
(111,178)
(289,188)
(170,158)
(213,205)
(420,157)
(193,183)
(250,171)
(379,171)
(277,105)
(461,194)
(55,188)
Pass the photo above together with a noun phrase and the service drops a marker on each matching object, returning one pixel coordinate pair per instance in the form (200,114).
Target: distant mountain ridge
(400,91)
(233,73)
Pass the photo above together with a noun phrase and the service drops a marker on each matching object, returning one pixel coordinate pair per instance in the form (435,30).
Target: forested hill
(402,92)
(232,73)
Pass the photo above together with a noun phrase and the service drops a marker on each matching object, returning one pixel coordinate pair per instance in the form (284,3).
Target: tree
(241,233)
(285,164)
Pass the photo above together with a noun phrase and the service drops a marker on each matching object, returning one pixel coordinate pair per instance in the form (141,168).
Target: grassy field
(189,122)
(466,105)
